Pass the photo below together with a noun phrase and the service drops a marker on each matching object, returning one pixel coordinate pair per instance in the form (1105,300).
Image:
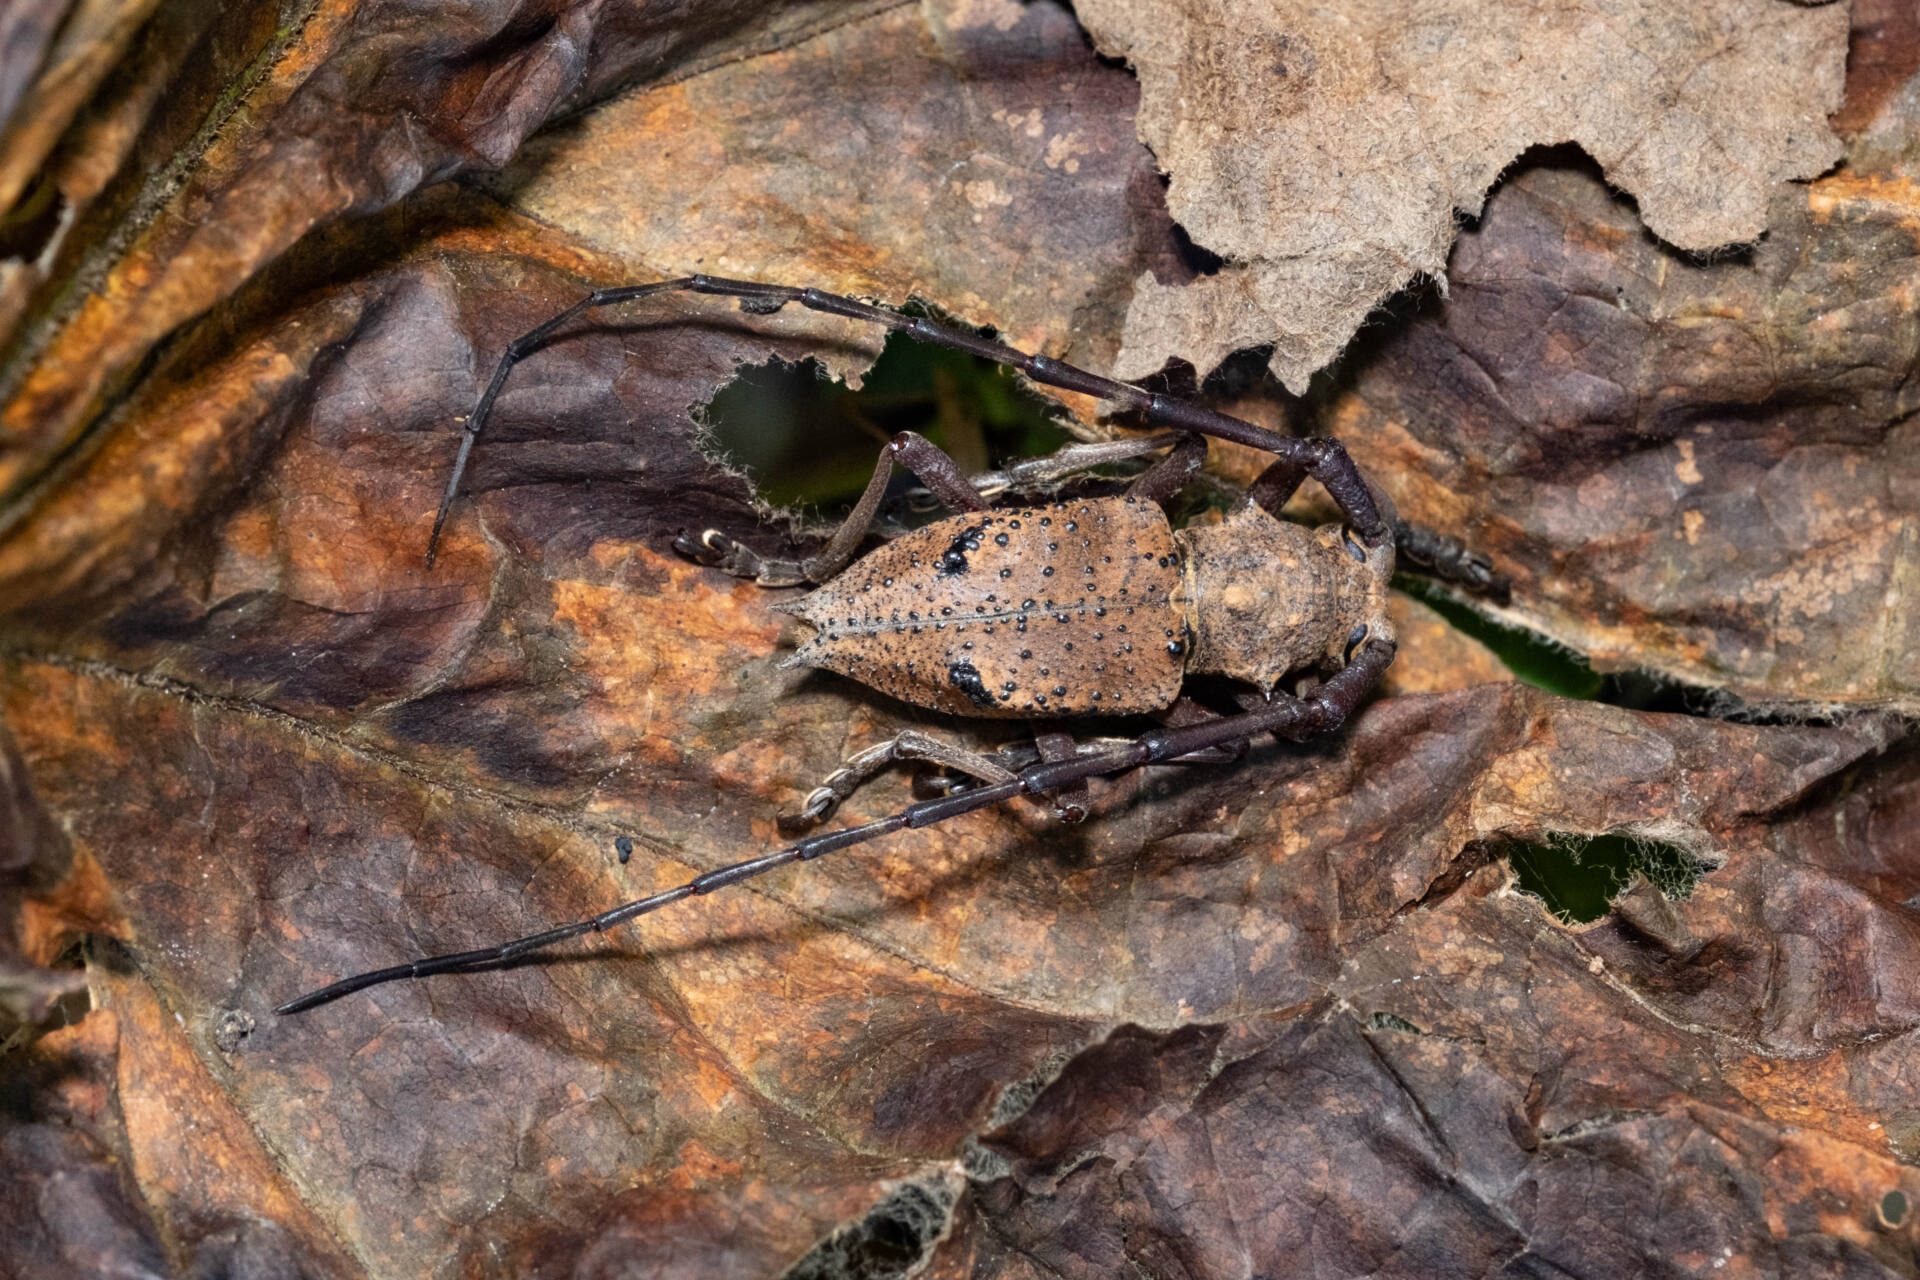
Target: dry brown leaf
(986,164)
(356,108)
(254,738)
(1326,151)
(80,48)
(1707,470)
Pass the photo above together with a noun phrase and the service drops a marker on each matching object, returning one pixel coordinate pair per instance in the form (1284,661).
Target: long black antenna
(1324,710)
(1322,458)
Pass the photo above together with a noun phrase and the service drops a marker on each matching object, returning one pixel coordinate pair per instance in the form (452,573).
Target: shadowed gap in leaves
(807,440)
(1579,877)
(890,1242)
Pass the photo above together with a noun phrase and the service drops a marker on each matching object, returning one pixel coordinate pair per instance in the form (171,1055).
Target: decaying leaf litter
(1374,124)
(259,744)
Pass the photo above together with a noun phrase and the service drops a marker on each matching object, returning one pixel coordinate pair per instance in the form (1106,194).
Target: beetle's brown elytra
(1071,609)
(1046,612)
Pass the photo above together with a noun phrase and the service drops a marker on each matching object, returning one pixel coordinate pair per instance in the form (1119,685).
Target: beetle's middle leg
(1169,475)
(928,463)
(1185,711)
(1049,745)
(1070,460)
(1053,745)
(908,744)
(1070,801)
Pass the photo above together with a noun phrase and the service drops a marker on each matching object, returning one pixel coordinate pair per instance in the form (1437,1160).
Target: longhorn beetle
(1048,611)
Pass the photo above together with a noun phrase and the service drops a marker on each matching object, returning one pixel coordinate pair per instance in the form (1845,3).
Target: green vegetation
(1531,657)
(808,441)
(1577,876)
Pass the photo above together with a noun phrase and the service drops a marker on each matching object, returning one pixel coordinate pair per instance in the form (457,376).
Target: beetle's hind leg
(932,467)
(908,744)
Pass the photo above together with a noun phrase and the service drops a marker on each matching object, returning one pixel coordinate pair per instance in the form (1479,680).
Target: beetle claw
(712,547)
(938,784)
(819,805)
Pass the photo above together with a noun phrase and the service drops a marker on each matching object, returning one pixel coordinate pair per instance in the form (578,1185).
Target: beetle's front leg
(1446,558)
(716,549)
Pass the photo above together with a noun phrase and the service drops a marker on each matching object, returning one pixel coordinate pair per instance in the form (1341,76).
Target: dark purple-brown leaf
(1291,1016)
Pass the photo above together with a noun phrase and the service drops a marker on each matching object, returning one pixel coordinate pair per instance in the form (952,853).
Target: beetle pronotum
(1048,611)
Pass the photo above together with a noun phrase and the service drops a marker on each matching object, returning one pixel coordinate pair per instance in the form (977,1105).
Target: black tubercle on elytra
(966,678)
(955,559)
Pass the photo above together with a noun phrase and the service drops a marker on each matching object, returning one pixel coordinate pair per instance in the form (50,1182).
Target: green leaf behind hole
(1578,876)
(807,440)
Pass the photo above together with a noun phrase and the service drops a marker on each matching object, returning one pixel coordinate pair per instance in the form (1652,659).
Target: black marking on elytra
(955,559)
(966,678)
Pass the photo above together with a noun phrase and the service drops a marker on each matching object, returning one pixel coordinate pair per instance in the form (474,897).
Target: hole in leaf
(1382,1021)
(1893,1208)
(886,1244)
(1578,876)
(1532,658)
(1536,660)
(807,440)
(1199,259)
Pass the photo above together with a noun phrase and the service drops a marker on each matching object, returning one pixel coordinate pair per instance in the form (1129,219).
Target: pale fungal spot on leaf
(1001,15)
(1686,469)
(1064,151)
(985,193)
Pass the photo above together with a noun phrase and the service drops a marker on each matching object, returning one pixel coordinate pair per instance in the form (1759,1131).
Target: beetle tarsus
(1447,558)
(716,550)
(817,808)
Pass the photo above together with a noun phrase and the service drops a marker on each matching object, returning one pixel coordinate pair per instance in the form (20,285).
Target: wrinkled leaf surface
(1289,1016)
